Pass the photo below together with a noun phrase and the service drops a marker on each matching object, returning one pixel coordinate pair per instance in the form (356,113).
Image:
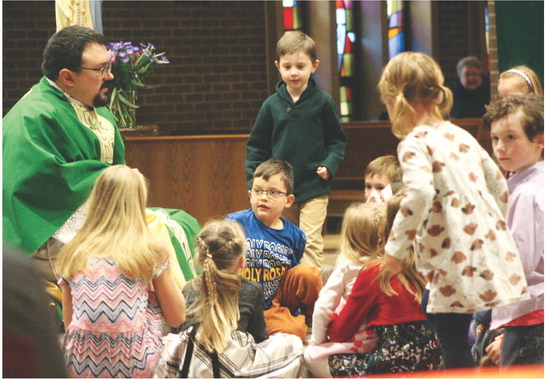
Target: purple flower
(130,70)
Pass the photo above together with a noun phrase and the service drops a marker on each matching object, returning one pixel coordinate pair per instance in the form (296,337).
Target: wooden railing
(204,175)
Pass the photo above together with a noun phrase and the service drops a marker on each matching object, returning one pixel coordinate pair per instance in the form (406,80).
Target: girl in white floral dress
(454,208)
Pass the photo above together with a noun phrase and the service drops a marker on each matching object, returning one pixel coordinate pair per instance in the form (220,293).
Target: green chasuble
(50,161)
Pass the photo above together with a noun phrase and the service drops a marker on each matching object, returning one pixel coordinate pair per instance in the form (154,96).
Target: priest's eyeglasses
(271,194)
(103,70)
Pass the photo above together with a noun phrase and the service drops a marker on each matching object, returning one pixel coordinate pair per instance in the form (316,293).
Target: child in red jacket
(389,304)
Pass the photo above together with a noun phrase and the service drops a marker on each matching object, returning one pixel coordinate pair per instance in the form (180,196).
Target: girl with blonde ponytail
(225,333)
(414,92)
(213,299)
(453,210)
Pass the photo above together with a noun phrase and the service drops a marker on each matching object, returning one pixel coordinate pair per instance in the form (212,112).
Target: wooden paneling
(365,142)
(368,140)
(203,175)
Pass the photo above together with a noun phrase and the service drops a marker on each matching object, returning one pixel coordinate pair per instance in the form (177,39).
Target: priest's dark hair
(65,49)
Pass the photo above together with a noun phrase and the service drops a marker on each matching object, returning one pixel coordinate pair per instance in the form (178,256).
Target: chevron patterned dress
(116,328)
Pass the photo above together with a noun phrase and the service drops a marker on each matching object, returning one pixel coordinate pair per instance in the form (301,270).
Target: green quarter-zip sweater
(306,133)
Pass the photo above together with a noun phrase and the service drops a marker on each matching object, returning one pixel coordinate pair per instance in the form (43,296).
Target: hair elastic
(444,98)
(524,76)
(208,255)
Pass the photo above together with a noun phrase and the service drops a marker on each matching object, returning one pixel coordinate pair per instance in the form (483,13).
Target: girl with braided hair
(225,333)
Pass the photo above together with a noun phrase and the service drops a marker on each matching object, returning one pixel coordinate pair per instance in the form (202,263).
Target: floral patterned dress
(454,211)
(116,328)
(404,340)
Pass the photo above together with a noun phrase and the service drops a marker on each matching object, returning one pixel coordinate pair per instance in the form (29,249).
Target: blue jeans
(522,345)
(451,330)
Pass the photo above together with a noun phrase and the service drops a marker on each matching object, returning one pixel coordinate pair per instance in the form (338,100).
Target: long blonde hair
(115,227)
(409,277)
(220,244)
(361,232)
(413,78)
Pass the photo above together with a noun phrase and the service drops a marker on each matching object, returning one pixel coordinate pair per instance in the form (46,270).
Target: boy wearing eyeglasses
(299,123)
(275,247)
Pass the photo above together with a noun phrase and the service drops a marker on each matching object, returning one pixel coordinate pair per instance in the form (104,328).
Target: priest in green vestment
(56,141)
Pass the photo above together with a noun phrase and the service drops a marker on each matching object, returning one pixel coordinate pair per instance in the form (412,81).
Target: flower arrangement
(130,65)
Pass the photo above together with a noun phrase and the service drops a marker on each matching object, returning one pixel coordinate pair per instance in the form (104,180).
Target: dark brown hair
(273,167)
(530,106)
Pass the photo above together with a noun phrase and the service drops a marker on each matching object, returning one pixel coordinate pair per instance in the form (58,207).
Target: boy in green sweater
(299,124)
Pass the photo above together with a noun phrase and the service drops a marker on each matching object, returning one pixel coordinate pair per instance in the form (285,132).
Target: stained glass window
(293,15)
(487,36)
(346,38)
(396,31)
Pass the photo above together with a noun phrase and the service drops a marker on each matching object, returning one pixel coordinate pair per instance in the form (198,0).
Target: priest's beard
(101,100)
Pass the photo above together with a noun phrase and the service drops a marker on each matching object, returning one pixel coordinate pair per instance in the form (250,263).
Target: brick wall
(216,80)
(26,27)
(493,46)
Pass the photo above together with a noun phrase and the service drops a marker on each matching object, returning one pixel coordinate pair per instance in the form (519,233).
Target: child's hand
(494,350)
(323,172)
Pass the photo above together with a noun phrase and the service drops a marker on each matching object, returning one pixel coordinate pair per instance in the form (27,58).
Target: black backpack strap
(188,354)
(215,365)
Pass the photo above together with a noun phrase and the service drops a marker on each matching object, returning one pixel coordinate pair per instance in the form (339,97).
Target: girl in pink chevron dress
(116,284)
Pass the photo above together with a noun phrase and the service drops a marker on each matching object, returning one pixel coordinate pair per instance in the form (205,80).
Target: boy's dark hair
(294,42)
(273,167)
(65,49)
(387,165)
(530,106)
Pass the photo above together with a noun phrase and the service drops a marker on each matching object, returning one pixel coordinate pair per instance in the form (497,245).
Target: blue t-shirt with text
(270,253)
